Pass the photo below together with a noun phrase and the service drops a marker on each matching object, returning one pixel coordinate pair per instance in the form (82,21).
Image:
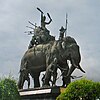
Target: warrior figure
(51,71)
(43,18)
(62,31)
(41,33)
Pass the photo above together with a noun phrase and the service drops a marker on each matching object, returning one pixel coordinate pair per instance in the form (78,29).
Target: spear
(30,27)
(66,25)
(40,10)
(32,24)
(29,32)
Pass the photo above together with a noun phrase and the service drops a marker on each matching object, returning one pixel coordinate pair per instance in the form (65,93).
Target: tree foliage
(81,90)
(8,89)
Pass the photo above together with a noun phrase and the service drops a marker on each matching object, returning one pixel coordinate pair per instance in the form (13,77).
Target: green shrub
(8,89)
(84,89)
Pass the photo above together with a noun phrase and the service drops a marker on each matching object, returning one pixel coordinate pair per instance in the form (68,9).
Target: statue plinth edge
(41,93)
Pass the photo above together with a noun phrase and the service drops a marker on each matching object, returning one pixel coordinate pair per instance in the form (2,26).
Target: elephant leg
(68,81)
(65,81)
(67,77)
(54,79)
(63,78)
(64,70)
(36,80)
(47,78)
(35,77)
(21,82)
(28,79)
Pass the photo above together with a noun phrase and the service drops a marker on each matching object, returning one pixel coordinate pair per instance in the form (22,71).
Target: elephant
(71,52)
(41,56)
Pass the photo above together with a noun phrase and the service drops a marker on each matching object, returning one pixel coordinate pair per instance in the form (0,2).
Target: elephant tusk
(81,68)
(78,67)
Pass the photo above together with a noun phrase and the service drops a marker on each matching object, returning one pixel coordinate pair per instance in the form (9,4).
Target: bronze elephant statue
(38,58)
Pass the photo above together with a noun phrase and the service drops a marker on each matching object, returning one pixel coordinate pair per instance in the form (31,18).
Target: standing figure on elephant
(62,31)
(61,37)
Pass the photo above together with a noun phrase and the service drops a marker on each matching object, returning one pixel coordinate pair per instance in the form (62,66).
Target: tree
(9,90)
(81,90)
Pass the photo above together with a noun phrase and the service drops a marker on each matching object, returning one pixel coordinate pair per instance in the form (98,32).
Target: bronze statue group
(47,54)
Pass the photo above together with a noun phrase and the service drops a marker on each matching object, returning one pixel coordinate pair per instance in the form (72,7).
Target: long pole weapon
(30,27)
(66,24)
(40,10)
(32,23)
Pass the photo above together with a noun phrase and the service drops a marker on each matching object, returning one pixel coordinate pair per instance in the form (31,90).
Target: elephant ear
(63,45)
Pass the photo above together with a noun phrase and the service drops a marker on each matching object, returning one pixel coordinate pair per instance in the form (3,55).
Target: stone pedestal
(44,93)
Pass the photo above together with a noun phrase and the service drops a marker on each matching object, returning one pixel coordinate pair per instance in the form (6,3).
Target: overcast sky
(83,25)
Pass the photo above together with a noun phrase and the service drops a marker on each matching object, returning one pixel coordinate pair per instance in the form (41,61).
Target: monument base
(43,93)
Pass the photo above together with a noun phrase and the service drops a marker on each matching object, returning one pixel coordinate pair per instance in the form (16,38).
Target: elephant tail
(81,68)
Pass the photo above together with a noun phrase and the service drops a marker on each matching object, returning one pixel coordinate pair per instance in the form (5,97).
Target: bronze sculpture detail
(47,54)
